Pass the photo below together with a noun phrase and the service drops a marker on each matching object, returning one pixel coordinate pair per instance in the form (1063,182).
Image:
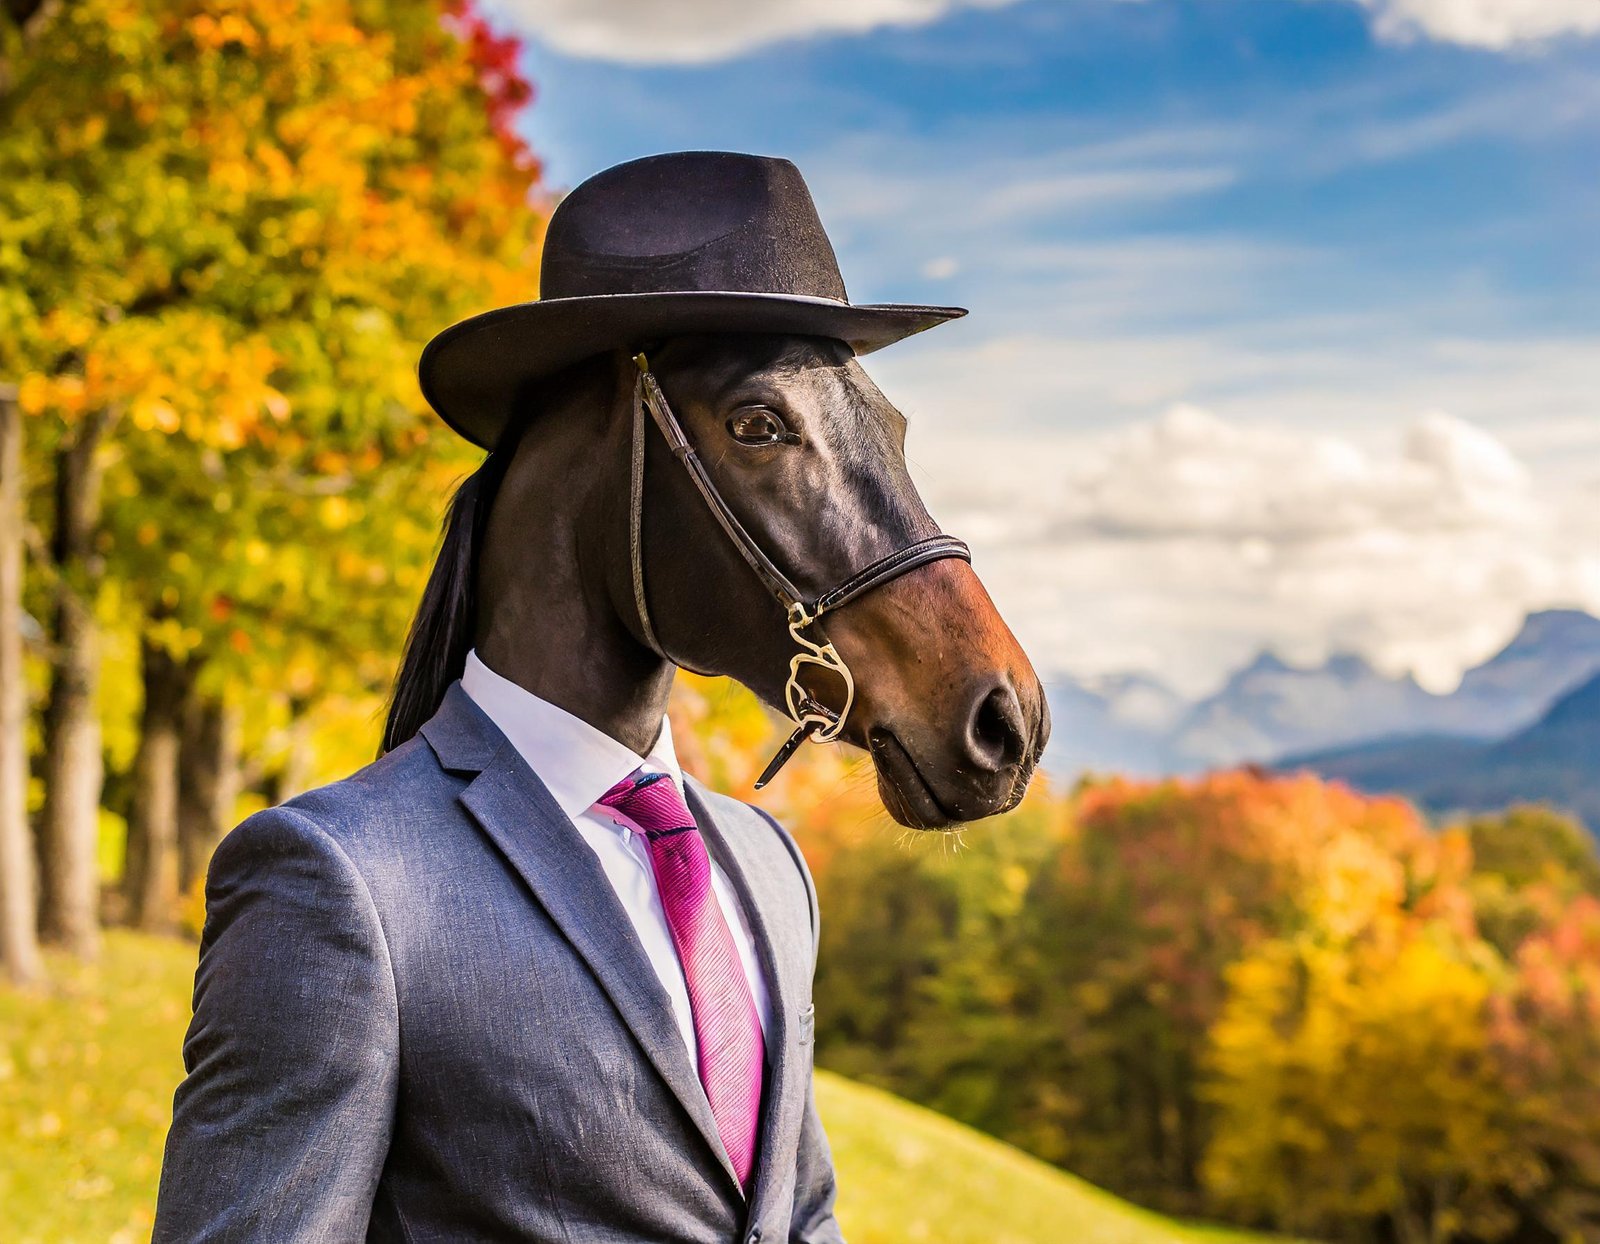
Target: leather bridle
(812,718)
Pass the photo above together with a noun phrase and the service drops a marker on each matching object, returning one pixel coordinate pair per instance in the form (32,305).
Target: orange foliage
(1208,866)
(233,224)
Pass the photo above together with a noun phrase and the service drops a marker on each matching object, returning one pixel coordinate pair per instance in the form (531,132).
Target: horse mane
(445,624)
(442,630)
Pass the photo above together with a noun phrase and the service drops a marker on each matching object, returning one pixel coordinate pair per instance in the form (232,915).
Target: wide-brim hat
(670,245)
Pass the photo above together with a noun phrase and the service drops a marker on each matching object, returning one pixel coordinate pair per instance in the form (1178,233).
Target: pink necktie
(726,1026)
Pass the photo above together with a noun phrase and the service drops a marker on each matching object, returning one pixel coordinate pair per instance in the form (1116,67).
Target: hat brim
(473,372)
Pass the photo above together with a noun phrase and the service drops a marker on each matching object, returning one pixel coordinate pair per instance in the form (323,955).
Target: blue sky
(1285,312)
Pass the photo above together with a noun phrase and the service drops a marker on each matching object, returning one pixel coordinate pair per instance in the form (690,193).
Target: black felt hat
(692,242)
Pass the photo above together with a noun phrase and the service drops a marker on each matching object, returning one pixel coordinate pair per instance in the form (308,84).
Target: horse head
(600,542)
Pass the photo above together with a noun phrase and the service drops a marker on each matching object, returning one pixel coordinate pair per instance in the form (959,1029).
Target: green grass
(87,1070)
(86,1078)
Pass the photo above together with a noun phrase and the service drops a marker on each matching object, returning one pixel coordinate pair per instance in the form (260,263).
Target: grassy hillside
(907,1175)
(86,1079)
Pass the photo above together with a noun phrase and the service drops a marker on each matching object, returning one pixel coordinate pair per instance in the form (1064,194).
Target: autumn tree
(234,226)
(1545,1033)
(1355,1088)
(1133,925)
(1423,1069)
(1525,860)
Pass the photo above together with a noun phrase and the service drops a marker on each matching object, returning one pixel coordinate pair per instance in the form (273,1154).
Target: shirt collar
(576,762)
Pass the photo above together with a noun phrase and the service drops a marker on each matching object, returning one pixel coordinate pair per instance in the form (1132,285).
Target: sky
(1285,323)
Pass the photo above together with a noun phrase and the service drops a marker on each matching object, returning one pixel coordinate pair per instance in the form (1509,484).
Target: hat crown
(690,221)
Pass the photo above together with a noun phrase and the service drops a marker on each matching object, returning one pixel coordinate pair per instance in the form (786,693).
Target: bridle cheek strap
(812,718)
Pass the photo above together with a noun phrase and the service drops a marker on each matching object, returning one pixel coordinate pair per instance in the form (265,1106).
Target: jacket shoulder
(376,800)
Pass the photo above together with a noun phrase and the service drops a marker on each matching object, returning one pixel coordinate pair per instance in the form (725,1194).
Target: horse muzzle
(947,704)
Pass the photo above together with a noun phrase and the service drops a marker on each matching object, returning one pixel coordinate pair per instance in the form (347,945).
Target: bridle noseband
(812,718)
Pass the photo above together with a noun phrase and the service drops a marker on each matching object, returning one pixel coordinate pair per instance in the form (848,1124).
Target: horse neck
(549,568)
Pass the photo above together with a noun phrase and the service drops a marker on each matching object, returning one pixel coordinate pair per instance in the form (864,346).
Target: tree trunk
(208,783)
(69,831)
(151,880)
(19,945)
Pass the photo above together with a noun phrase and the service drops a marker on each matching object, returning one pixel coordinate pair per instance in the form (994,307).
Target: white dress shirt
(578,763)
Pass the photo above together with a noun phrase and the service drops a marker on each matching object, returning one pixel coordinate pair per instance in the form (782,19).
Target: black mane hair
(442,631)
(445,625)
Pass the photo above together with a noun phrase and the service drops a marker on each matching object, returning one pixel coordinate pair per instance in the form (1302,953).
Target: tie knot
(651,801)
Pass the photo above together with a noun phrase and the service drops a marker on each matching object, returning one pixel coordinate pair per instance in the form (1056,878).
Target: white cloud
(699,31)
(1191,474)
(1497,24)
(1181,544)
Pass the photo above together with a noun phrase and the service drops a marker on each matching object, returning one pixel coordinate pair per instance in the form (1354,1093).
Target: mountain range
(1556,760)
(1345,718)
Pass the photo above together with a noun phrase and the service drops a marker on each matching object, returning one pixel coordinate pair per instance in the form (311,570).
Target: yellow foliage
(230,228)
(1354,1080)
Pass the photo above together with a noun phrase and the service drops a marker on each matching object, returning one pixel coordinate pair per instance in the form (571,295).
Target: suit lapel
(765,887)
(513,807)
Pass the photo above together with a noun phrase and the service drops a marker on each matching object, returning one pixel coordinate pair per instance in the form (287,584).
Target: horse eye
(756,425)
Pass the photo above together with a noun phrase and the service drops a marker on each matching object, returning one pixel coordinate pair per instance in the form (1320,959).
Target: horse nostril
(997,736)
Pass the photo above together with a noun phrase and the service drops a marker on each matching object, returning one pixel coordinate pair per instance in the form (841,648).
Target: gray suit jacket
(422,1014)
